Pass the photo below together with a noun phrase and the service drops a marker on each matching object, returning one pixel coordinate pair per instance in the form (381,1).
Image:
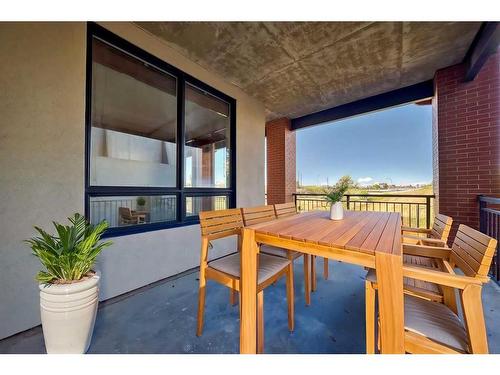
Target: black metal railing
(416,210)
(489,224)
(158,209)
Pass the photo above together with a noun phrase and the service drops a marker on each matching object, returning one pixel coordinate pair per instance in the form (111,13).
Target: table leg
(260,322)
(313,273)
(307,278)
(389,268)
(248,293)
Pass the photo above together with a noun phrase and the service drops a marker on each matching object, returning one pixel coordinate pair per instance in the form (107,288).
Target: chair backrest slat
(222,223)
(256,215)
(442,226)
(125,212)
(285,209)
(472,251)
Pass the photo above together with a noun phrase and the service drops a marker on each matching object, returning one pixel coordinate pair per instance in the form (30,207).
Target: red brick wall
(435,151)
(467,152)
(281,153)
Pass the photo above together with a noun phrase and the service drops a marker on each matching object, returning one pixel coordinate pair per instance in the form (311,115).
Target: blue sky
(393,146)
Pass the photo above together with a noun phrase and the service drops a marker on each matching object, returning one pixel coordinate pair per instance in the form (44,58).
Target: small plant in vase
(141,202)
(335,194)
(69,288)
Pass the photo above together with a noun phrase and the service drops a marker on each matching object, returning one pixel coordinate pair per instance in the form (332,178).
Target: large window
(160,144)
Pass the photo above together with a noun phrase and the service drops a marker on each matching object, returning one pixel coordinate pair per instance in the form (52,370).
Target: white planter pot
(68,314)
(336,211)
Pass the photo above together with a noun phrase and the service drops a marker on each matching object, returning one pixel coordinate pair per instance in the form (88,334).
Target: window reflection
(206,151)
(134,121)
(133,210)
(196,204)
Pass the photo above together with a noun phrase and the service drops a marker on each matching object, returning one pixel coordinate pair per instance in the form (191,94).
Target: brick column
(466,140)
(281,161)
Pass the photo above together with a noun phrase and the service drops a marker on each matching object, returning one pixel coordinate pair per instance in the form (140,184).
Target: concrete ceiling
(297,68)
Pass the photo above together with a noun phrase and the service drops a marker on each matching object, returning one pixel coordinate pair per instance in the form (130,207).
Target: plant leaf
(71,253)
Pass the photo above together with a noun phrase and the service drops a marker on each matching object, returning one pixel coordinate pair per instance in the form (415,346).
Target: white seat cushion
(436,322)
(268,265)
(277,251)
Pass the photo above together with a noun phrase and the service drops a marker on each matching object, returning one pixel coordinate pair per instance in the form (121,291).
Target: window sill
(143,228)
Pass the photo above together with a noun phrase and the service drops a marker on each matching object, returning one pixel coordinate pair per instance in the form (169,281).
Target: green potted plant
(141,202)
(334,197)
(69,288)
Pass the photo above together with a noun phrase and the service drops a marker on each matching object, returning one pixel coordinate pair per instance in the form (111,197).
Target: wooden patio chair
(261,214)
(436,236)
(287,209)
(128,216)
(226,270)
(282,210)
(433,327)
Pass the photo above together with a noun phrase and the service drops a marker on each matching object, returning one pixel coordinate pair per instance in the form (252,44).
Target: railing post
(482,221)
(428,212)
(489,224)
(295,201)
(348,197)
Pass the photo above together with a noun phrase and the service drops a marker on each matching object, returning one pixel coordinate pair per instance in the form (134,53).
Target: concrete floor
(162,319)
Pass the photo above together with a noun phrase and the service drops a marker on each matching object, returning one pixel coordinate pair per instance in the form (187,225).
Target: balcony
(162,127)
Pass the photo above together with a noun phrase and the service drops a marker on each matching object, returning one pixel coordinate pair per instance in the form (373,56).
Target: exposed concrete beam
(404,95)
(484,44)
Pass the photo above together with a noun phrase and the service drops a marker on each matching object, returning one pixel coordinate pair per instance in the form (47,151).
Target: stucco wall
(42,102)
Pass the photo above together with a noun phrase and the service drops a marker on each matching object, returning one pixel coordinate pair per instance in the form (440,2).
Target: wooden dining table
(368,239)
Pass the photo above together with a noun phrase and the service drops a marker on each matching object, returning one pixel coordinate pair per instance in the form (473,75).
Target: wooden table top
(363,231)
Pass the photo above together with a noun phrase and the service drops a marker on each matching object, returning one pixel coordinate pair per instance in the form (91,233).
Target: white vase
(68,314)
(336,211)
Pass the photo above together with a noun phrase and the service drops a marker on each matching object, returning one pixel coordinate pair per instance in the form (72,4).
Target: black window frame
(181,192)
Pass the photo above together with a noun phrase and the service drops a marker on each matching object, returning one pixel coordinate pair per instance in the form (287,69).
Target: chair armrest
(433,242)
(415,230)
(412,239)
(427,251)
(439,277)
(447,267)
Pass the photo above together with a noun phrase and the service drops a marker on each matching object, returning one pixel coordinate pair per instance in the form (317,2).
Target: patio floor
(162,318)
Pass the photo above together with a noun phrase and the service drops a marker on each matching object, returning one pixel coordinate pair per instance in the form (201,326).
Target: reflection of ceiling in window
(124,104)
(207,118)
(130,96)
